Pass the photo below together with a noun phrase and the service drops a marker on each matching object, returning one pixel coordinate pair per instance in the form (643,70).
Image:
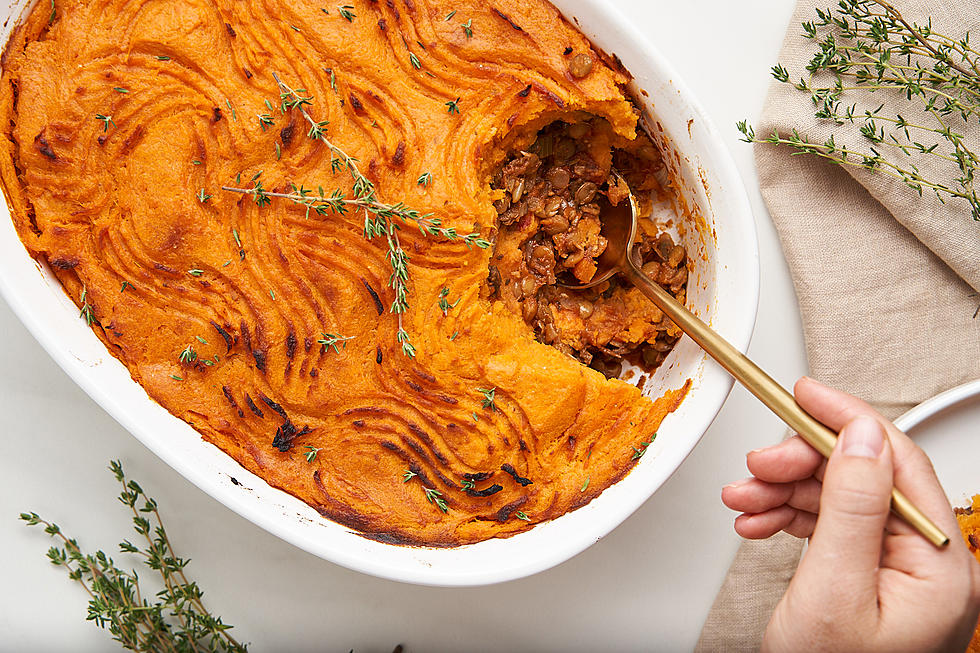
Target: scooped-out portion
(549,228)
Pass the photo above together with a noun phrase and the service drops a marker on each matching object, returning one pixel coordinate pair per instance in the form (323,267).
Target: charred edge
(974,542)
(422,435)
(248,73)
(44,147)
(568,51)
(504,513)
(274,406)
(383,25)
(307,344)
(291,345)
(252,407)
(235,481)
(231,400)
(478,476)
(231,30)
(374,295)
(560,103)
(508,19)
(359,423)
(525,92)
(286,433)
(229,341)
(246,335)
(216,114)
(164,268)
(413,385)
(452,401)
(356,104)
(260,359)
(523,445)
(399,157)
(378,357)
(490,491)
(507,467)
(132,140)
(425,376)
(286,133)
(63,263)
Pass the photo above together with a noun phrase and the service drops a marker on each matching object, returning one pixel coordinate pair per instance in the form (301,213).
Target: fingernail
(863,437)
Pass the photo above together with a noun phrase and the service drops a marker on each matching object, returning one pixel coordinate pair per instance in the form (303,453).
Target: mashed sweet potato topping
(267,327)
(969,521)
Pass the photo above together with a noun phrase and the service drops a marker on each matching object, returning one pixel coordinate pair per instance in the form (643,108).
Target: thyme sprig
(334,340)
(381,220)
(87,313)
(867,45)
(489,397)
(174,619)
(435,496)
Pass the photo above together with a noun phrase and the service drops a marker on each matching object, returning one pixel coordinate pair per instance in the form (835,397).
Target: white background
(646,586)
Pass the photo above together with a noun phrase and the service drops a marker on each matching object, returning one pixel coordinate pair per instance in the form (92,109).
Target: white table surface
(646,586)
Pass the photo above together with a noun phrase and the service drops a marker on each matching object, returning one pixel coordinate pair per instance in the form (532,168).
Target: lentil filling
(549,228)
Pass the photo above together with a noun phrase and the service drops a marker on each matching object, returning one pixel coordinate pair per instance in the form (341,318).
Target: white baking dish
(723,287)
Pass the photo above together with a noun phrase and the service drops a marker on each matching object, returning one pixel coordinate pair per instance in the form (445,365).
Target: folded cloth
(887,282)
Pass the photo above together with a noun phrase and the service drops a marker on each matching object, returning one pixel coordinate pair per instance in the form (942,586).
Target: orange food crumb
(969,520)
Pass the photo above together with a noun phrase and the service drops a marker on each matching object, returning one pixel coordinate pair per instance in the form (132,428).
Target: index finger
(914,474)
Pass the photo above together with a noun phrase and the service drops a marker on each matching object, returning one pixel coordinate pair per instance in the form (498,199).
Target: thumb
(854,506)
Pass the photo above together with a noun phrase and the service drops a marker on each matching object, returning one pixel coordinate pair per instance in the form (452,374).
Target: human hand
(868,581)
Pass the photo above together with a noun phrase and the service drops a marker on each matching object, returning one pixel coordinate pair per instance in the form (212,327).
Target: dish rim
(614,24)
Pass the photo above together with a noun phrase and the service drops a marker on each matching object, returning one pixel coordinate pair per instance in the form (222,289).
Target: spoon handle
(773,395)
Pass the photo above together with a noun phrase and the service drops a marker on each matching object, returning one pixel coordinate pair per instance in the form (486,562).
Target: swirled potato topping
(280,218)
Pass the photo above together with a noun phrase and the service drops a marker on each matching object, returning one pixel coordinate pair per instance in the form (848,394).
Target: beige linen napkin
(887,284)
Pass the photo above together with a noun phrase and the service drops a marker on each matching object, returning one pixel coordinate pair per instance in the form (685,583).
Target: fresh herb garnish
(444,304)
(585,485)
(638,452)
(345,12)
(424,179)
(333,340)
(380,219)
(124,285)
(120,89)
(265,119)
(188,355)
(488,397)
(453,106)
(448,18)
(468,28)
(202,197)
(520,515)
(195,272)
(311,453)
(867,45)
(173,619)
(476,418)
(415,61)
(176,378)
(106,121)
(87,313)
(435,496)
(408,475)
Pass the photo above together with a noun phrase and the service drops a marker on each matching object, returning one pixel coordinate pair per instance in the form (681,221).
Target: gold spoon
(620,229)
